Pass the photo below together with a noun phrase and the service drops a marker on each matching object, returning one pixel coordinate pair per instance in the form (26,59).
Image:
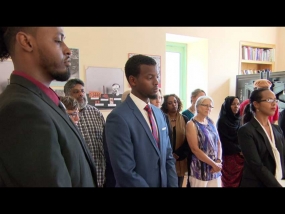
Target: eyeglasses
(270,100)
(73,115)
(76,91)
(208,106)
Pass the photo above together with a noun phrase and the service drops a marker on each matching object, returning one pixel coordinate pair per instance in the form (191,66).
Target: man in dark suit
(139,159)
(39,144)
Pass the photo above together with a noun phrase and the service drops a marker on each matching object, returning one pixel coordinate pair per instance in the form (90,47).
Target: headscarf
(232,120)
(228,124)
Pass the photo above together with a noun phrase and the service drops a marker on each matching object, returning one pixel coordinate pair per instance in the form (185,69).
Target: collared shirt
(141,105)
(91,126)
(48,91)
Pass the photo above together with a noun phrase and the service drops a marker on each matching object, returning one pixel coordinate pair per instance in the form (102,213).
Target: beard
(55,69)
(61,76)
(83,104)
(152,96)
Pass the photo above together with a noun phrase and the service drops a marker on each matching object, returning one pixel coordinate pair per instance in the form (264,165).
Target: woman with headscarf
(228,124)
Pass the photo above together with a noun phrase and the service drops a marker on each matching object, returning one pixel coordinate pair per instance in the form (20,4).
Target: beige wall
(109,46)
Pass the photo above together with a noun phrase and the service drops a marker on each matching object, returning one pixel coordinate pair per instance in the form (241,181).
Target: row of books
(254,71)
(258,54)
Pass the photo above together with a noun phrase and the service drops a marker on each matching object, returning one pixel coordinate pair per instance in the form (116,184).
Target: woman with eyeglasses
(261,83)
(262,143)
(72,108)
(228,124)
(204,141)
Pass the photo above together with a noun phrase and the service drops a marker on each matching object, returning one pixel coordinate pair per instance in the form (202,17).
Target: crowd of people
(148,140)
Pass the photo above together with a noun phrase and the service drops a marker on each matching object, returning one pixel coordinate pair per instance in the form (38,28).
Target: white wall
(109,47)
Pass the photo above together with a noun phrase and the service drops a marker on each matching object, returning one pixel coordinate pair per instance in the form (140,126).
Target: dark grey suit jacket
(39,145)
(259,165)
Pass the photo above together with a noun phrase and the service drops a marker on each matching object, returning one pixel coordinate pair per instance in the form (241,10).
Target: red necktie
(152,123)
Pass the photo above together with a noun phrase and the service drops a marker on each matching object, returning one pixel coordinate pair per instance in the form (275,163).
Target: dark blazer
(259,165)
(39,145)
(281,121)
(109,174)
(135,157)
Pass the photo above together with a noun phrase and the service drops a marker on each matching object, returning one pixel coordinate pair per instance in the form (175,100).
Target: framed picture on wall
(158,62)
(6,68)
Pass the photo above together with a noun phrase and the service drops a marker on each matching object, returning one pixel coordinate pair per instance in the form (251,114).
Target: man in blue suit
(135,156)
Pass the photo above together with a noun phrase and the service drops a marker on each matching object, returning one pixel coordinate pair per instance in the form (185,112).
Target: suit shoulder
(276,127)
(121,109)
(244,126)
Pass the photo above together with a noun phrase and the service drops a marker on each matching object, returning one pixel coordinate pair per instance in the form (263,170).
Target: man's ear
(24,40)
(132,80)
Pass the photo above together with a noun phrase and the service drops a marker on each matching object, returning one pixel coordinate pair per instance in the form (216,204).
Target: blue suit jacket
(134,155)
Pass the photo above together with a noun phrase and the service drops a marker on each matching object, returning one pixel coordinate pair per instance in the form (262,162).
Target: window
(176,71)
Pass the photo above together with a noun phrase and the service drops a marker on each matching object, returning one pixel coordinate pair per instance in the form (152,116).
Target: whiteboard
(6,68)
(99,86)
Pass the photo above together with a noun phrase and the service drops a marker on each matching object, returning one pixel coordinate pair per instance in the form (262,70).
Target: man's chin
(62,76)
(83,104)
(153,96)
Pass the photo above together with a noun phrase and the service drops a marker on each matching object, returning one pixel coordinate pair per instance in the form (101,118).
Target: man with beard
(91,125)
(39,144)
(136,132)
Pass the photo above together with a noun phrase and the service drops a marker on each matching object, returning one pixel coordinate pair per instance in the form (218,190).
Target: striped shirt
(91,126)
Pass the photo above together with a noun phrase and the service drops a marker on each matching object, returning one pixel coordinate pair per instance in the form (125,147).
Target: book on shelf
(258,54)
(245,72)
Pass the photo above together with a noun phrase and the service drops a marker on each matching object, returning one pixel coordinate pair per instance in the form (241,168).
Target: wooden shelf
(257,62)
(256,51)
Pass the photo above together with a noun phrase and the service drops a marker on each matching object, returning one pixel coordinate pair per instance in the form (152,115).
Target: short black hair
(164,107)
(8,38)
(70,84)
(132,66)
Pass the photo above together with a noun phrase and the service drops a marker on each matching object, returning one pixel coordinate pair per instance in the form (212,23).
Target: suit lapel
(142,121)
(260,130)
(278,141)
(159,126)
(34,89)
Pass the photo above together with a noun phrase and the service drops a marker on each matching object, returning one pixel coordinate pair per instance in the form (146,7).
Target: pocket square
(163,128)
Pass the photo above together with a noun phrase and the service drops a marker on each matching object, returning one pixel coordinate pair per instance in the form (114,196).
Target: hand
(175,156)
(218,161)
(216,168)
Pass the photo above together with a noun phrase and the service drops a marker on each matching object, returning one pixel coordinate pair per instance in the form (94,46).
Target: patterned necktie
(152,123)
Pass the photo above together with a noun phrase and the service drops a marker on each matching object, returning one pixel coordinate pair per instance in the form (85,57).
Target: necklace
(172,120)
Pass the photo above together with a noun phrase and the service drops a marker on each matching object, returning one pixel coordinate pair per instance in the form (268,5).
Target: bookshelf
(256,57)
